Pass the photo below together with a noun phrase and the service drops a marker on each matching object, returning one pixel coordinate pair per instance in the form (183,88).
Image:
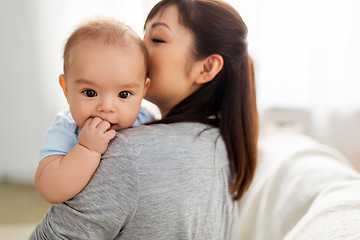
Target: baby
(104,81)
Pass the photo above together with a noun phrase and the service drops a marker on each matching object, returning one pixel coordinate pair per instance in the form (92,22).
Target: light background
(306,54)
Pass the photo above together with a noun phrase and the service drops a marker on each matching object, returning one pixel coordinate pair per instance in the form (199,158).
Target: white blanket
(301,190)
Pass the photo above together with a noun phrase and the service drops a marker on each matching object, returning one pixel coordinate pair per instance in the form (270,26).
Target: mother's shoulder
(163,131)
(163,128)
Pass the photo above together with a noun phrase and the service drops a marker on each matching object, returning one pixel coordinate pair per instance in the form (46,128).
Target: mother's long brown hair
(230,97)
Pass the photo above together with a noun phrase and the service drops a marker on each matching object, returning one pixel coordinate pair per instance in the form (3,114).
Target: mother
(178,178)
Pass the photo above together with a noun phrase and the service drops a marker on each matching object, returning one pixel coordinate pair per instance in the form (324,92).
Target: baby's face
(106,82)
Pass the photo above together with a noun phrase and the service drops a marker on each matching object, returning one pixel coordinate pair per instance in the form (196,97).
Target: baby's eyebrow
(82,80)
(130,85)
(121,85)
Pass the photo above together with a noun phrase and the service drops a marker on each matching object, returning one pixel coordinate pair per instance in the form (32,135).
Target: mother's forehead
(168,15)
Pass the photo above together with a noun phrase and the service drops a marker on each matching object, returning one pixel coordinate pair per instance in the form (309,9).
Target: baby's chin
(114,127)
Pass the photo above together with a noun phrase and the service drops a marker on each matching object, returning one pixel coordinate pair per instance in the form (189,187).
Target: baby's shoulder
(65,120)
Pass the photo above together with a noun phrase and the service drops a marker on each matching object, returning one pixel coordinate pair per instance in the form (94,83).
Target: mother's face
(168,44)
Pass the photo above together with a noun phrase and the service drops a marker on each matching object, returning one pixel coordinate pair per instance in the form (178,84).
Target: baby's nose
(106,105)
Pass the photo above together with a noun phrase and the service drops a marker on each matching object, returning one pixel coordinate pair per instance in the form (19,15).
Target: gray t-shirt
(154,182)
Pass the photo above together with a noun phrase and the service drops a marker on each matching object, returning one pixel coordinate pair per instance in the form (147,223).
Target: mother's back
(181,188)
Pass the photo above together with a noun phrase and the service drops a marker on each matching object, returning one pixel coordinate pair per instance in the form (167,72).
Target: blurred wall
(22,99)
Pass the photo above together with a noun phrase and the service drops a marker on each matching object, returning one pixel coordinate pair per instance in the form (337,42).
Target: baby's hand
(95,135)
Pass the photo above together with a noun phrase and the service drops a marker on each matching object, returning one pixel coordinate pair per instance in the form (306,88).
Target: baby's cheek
(131,117)
(80,113)
(81,120)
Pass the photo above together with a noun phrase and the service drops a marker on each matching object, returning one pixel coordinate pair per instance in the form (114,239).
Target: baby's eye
(124,94)
(89,93)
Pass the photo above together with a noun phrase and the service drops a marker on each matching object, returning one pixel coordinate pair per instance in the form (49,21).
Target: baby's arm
(60,177)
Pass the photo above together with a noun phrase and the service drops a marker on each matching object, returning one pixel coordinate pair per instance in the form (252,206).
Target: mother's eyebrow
(160,24)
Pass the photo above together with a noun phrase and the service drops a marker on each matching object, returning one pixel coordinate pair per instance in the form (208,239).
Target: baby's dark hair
(105,31)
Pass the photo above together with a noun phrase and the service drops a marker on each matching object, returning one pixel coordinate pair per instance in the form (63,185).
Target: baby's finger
(103,126)
(95,122)
(110,134)
(87,122)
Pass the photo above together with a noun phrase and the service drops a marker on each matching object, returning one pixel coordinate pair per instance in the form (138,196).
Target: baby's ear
(146,86)
(63,85)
